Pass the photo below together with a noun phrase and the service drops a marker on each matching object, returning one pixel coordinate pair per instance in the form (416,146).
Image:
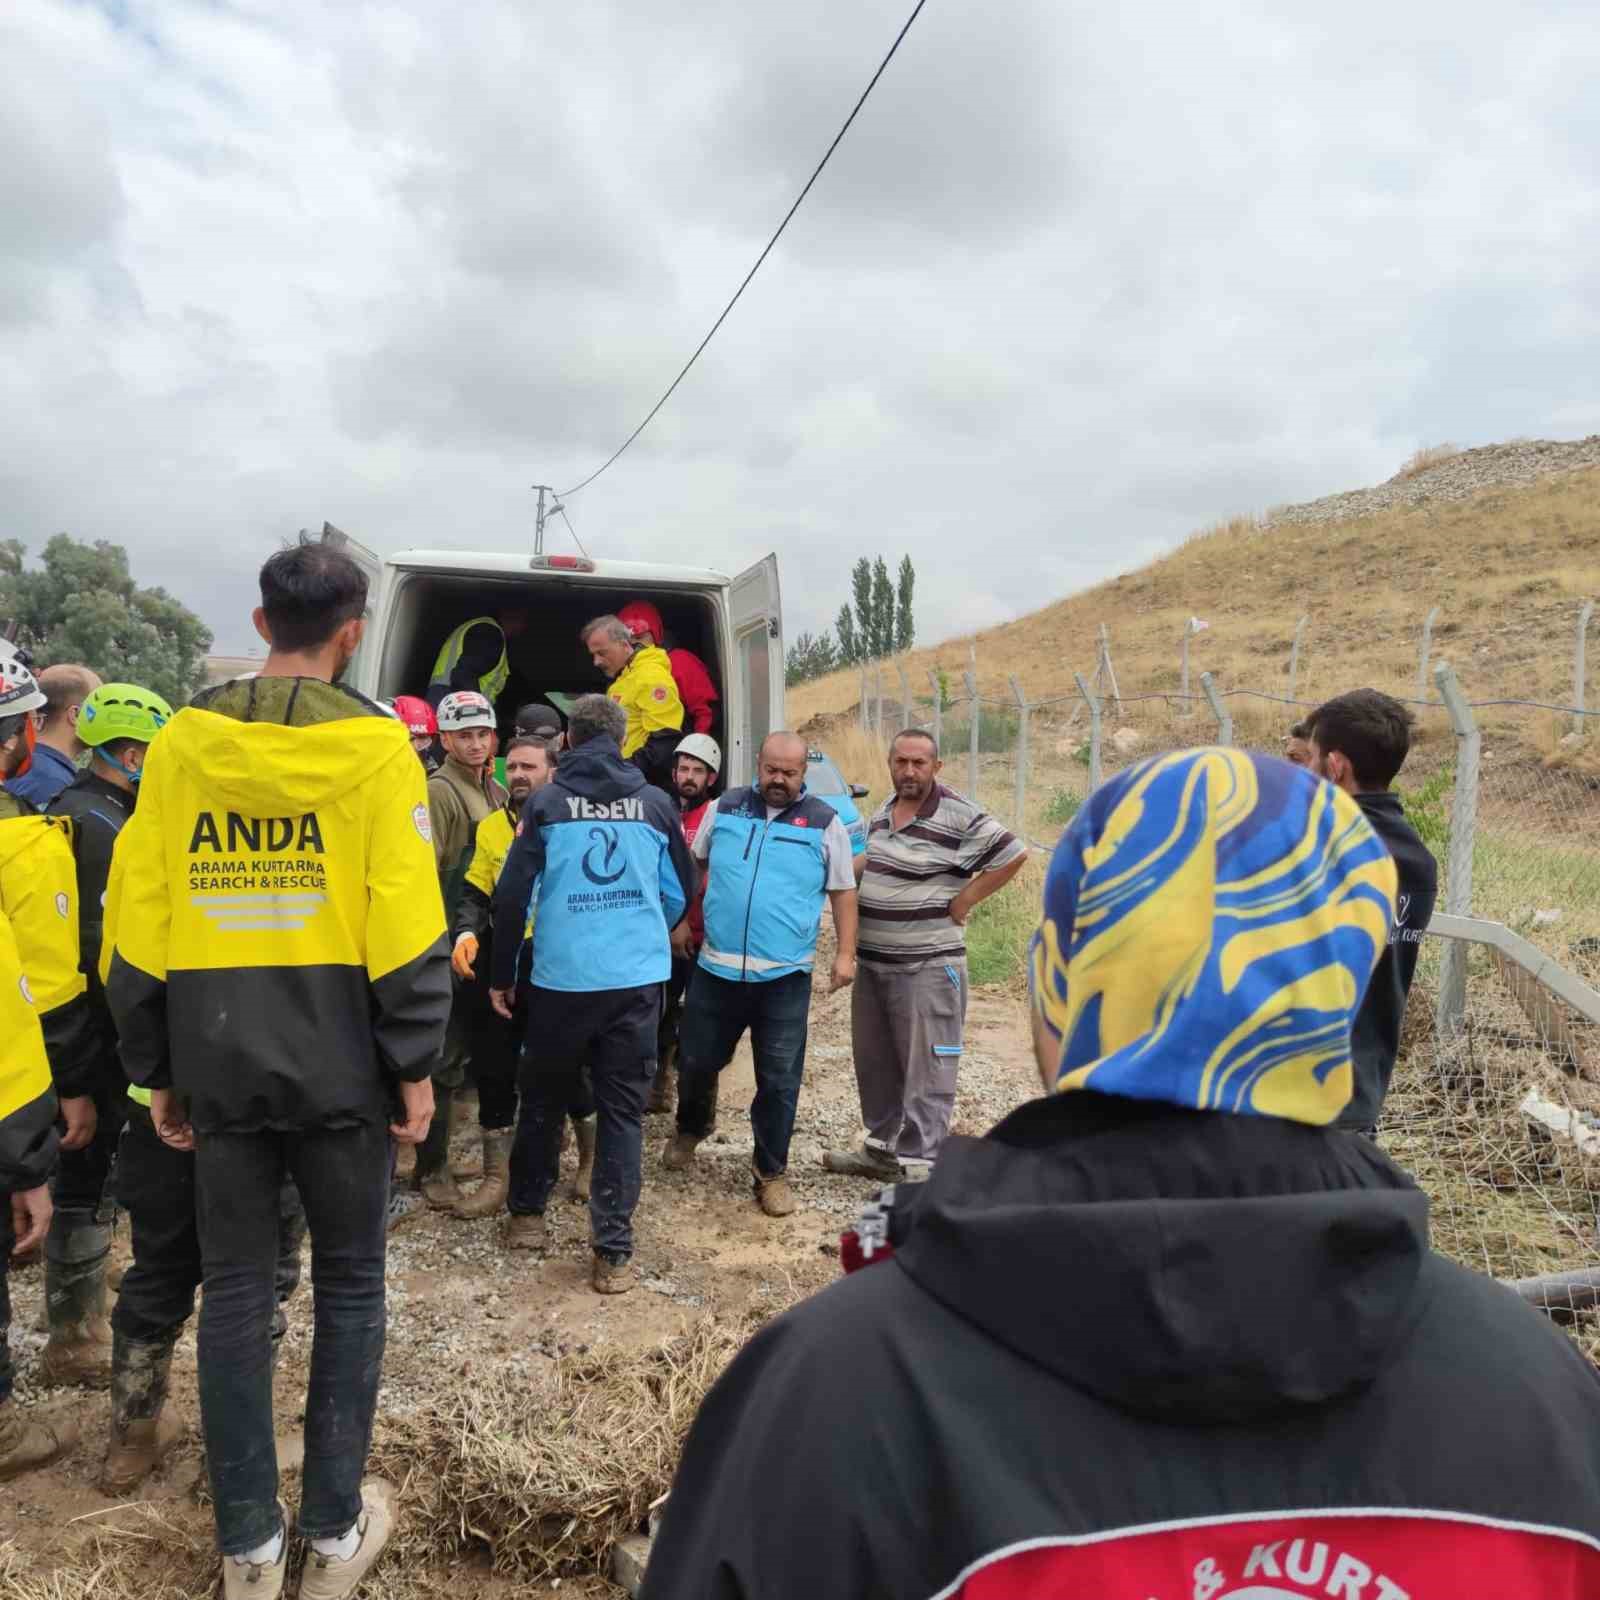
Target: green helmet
(121,711)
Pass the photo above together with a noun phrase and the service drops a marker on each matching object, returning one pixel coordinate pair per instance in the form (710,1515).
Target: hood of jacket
(596,770)
(269,747)
(19,834)
(1181,1265)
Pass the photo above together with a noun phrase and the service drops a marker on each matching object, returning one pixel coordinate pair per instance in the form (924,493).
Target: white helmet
(703,748)
(466,708)
(19,691)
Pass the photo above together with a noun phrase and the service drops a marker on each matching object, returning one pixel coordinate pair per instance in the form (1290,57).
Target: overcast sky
(1083,277)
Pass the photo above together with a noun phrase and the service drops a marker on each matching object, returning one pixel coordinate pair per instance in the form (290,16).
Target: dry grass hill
(1504,540)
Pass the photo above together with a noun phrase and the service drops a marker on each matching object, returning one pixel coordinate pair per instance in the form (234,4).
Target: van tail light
(561,563)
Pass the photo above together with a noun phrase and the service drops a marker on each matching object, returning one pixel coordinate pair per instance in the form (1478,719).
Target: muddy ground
(458,1303)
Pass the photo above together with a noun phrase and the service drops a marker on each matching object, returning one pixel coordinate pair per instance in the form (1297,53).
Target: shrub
(1063,805)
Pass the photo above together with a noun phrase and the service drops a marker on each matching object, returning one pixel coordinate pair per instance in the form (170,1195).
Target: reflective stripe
(947,1049)
(492,684)
(756,963)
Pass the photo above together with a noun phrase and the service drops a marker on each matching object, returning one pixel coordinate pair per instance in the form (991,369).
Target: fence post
(938,709)
(1021,801)
(975,718)
(906,719)
(1183,682)
(1427,650)
(1294,656)
(1218,709)
(1094,730)
(1579,670)
(877,673)
(1110,671)
(866,710)
(1452,1004)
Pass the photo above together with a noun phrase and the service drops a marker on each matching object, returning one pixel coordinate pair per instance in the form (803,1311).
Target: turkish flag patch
(658,693)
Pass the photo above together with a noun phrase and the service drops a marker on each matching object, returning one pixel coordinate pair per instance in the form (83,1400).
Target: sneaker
(404,1206)
(775,1196)
(679,1153)
(329,1578)
(526,1231)
(867,1162)
(258,1580)
(612,1277)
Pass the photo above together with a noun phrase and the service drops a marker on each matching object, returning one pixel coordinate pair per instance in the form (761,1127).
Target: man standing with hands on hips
(932,857)
(773,853)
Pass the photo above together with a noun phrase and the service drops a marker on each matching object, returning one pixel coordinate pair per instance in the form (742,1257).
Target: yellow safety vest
(493,683)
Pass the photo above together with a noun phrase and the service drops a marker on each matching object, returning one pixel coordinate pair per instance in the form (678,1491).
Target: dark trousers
(495,1044)
(715,1016)
(613,1031)
(80,1182)
(8,1239)
(155,1185)
(341,1174)
(672,998)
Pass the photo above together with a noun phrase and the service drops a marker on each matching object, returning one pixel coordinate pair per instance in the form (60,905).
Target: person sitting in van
(695,688)
(422,728)
(642,684)
(474,657)
(536,720)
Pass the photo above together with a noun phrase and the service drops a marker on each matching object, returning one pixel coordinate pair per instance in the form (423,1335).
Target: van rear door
(756,610)
(363,670)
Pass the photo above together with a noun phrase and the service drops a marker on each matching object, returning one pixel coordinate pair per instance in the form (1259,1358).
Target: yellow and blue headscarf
(1211,920)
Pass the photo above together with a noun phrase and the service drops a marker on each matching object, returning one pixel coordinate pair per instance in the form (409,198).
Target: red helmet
(417,715)
(639,616)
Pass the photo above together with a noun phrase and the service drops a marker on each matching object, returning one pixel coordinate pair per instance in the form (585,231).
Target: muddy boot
(584,1128)
(664,1087)
(141,1432)
(491,1195)
(612,1277)
(867,1162)
(31,1439)
(79,1348)
(434,1178)
(774,1195)
(526,1231)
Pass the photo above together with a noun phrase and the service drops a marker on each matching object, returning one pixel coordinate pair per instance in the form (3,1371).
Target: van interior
(547,657)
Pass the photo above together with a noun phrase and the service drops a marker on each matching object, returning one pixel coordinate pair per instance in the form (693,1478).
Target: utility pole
(538,524)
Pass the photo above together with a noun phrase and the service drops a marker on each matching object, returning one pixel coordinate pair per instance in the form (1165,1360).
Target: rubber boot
(30,1439)
(491,1195)
(585,1128)
(663,1099)
(78,1350)
(142,1433)
(434,1178)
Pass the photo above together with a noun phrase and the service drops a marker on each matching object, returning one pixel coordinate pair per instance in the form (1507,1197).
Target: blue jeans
(342,1176)
(716,1013)
(613,1031)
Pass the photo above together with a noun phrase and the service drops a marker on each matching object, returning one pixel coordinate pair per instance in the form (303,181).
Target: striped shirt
(913,873)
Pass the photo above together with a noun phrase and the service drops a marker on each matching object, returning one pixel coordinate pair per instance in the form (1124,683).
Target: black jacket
(1128,1352)
(1375,1038)
(98,810)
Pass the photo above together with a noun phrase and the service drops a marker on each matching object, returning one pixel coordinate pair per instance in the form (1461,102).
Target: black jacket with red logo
(1125,1352)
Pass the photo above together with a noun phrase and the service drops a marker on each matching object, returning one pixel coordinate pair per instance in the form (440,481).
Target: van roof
(519,564)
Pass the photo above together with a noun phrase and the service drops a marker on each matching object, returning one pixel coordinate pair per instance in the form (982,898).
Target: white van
(734,625)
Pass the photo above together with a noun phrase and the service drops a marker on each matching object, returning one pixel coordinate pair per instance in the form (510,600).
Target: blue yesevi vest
(763,902)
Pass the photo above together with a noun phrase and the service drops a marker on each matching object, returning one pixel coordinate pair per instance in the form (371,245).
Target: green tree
(882,610)
(849,646)
(811,657)
(905,628)
(861,594)
(81,604)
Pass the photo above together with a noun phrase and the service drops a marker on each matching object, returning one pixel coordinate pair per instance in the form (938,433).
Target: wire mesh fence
(1495,1105)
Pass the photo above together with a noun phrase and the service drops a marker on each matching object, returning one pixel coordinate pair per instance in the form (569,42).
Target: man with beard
(931,857)
(694,774)
(773,852)
(495,1042)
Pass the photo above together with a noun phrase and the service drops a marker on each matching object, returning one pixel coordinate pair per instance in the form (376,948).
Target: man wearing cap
(642,684)
(461,794)
(1190,1331)
(695,688)
(695,771)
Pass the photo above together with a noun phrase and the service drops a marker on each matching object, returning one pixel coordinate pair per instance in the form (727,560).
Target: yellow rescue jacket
(648,692)
(273,916)
(45,1029)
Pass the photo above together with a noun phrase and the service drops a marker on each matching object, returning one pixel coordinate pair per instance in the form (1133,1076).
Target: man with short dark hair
(536,720)
(604,853)
(65,687)
(773,855)
(1165,1333)
(280,983)
(932,857)
(643,685)
(1297,747)
(1359,741)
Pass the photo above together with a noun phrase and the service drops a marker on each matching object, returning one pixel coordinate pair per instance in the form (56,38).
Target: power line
(570,529)
(788,216)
